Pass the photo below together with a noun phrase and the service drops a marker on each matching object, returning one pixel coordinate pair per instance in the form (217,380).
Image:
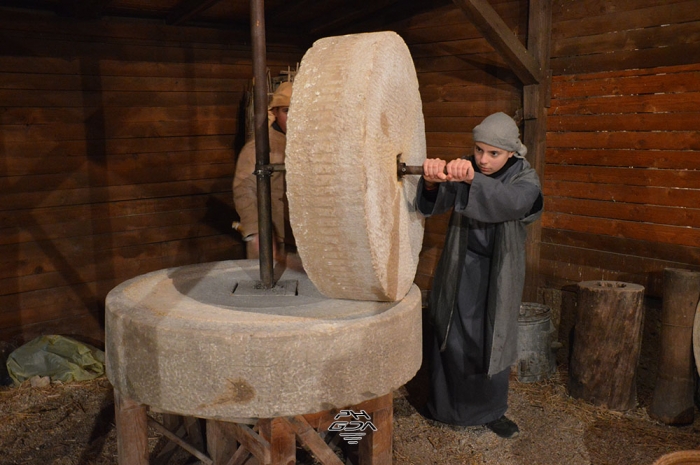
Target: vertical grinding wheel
(355,107)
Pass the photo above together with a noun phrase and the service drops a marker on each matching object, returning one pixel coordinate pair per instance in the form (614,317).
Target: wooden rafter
(340,19)
(85,9)
(187,9)
(288,10)
(497,33)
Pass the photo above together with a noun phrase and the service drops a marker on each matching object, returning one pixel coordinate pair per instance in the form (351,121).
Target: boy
(479,279)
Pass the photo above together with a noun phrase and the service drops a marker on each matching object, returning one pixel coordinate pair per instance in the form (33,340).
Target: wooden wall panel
(605,35)
(622,176)
(118,144)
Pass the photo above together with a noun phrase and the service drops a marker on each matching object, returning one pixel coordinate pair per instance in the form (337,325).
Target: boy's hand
(460,170)
(434,170)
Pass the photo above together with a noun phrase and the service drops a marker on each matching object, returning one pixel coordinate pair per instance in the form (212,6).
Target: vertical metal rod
(262,141)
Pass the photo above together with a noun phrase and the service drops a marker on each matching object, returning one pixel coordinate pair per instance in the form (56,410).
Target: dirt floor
(73,424)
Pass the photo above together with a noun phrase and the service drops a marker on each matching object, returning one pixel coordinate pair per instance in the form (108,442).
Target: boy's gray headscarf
(500,130)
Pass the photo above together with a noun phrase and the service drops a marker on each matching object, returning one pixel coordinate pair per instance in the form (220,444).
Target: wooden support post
(672,402)
(221,441)
(132,431)
(193,427)
(277,439)
(377,447)
(607,343)
(279,434)
(535,103)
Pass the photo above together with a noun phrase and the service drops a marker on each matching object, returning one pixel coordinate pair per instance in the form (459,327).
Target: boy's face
(281,117)
(490,159)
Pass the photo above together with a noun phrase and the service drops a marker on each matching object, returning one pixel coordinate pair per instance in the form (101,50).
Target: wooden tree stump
(672,402)
(607,343)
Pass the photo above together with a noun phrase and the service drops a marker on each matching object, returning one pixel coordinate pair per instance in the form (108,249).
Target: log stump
(607,344)
(672,402)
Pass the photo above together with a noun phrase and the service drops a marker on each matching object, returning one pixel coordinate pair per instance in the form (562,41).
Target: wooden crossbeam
(252,441)
(187,9)
(85,9)
(309,438)
(180,442)
(239,457)
(497,33)
(346,15)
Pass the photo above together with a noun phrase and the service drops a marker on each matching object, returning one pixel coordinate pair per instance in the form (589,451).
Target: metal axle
(402,169)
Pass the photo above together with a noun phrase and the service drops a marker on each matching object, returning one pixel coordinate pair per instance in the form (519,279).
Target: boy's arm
(491,201)
(435,199)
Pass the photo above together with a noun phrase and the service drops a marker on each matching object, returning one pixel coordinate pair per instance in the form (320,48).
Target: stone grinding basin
(178,340)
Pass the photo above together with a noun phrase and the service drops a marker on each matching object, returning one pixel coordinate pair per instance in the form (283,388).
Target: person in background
(245,182)
(478,283)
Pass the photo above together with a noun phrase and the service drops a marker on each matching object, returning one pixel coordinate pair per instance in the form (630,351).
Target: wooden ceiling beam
(501,38)
(337,20)
(187,9)
(392,13)
(283,14)
(85,9)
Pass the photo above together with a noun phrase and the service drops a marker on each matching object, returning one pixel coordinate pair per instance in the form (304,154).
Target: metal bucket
(536,343)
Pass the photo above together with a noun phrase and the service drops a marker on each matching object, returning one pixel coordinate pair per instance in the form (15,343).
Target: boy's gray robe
(487,200)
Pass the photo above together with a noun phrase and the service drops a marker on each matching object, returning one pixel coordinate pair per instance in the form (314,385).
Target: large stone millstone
(180,341)
(355,107)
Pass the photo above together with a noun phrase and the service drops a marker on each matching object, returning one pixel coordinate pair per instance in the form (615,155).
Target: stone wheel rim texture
(355,107)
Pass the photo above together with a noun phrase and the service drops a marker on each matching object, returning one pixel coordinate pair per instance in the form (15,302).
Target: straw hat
(282,96)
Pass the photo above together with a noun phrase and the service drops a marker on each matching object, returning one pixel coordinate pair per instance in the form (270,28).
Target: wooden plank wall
(462,80)
(118,142)
(622,174)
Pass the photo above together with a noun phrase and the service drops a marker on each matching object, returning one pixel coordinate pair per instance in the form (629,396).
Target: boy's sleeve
(434,201)
(491,201)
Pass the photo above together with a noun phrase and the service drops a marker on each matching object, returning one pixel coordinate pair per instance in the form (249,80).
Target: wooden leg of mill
(376,447)
(221,441)
(283,445)
(607,344)
(672,402)
(132,431)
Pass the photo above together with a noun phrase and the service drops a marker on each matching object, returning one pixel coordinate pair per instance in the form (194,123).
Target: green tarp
(62,358)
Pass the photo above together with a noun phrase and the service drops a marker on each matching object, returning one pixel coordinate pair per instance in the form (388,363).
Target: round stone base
(182,340)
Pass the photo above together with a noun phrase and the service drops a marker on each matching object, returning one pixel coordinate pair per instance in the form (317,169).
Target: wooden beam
(221,441)
(180,442)
(501,38)
(187,9)
(309,438)
(342,17)
(252,441)
(279,434)
(287,10)
(85,9)
(535,103)
(132,431)
(376,448)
